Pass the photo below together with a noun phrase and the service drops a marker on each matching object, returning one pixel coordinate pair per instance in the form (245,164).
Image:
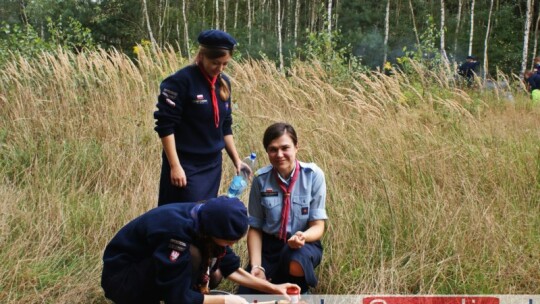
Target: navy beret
(224,218)
(471,57)
(216,39)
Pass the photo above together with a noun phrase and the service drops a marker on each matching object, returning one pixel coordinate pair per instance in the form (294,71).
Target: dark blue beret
(216,39)
(471,57)
(224,218)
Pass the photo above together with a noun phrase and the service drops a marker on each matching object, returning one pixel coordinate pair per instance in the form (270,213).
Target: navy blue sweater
(534,82)
(185,109)
(156,234)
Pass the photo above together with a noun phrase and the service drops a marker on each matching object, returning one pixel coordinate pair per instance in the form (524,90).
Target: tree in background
(375,30)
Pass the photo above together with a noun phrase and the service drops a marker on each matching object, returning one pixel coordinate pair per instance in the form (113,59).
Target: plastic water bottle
(239,182)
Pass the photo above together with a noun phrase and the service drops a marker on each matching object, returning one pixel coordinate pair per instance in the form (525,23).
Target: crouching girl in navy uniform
(175,253)
(286,214)
(193,120)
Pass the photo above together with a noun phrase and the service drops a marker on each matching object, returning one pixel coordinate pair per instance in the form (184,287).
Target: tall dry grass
(431,188)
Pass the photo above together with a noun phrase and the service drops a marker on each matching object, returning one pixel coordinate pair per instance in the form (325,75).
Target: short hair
(276,130)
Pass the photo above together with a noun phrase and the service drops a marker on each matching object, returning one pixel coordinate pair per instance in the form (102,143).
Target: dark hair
(277,130)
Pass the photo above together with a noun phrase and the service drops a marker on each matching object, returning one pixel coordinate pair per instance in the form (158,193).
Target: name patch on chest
(199,99)
(269,192)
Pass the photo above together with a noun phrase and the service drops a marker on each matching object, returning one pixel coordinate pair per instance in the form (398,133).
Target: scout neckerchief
(286,201)
(212,83)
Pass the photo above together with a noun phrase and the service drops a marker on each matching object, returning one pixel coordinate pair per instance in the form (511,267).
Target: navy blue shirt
(468,69)
(534,82)
(164,234)
(185,109)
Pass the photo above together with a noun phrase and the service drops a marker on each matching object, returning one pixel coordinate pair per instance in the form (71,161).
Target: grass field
(432,189)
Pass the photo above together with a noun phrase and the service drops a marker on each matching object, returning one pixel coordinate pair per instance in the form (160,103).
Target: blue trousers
(134,284)
(276,257)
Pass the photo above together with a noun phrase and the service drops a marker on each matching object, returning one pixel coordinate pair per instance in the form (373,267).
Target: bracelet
(260,267)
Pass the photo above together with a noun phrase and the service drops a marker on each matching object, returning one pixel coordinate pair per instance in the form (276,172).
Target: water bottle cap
(253,155)
(292,291)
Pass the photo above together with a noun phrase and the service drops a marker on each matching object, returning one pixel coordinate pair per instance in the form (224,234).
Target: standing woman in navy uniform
(287,214)
(175,253)
(193,120)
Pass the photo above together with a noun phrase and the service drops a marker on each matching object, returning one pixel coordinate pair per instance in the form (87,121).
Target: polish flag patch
(174,255)
(200,97)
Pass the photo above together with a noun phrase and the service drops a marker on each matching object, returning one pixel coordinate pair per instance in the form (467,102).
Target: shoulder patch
(177,245)
(169,94)
(173,256)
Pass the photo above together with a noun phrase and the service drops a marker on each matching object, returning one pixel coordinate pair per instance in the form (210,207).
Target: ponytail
(225,91)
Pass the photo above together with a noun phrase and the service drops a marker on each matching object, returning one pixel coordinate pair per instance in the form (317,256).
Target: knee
(295,269)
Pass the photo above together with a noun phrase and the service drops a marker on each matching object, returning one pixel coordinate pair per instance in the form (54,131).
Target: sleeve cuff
(255,222)
(318,214)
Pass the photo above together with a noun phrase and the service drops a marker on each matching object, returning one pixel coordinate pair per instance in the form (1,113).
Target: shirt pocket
(272,208)
(301,209)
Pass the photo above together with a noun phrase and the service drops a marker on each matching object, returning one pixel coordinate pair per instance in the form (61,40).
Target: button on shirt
(308,200)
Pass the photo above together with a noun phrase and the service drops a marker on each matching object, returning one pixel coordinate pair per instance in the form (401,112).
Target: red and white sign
(431,300)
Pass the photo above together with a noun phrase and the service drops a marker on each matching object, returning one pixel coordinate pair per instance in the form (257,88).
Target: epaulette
(264,170)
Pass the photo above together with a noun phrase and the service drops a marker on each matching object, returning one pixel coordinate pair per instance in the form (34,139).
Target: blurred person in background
(193,120)
(532,83)
(469,69)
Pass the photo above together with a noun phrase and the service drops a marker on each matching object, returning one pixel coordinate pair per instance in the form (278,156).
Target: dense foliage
(361,24)
(432,188)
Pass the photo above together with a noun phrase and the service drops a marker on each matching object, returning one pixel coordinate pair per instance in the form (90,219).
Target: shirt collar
(288,180)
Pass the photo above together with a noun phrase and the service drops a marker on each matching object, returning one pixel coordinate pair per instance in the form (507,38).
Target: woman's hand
(178,176)
(297,241)
(282,289)
(242,166)
(259,273)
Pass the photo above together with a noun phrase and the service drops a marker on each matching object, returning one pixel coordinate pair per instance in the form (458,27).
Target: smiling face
(282,154)
(214,66)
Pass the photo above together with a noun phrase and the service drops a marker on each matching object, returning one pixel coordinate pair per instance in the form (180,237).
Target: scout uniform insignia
(269,192)
(177,248)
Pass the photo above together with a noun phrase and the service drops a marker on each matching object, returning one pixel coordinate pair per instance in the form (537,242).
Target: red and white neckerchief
(286,200)
(212,83)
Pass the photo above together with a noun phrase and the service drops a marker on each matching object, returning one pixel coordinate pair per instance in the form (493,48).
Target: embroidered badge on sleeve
(170,102)
(169,94)
(174,255)
(178,247)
